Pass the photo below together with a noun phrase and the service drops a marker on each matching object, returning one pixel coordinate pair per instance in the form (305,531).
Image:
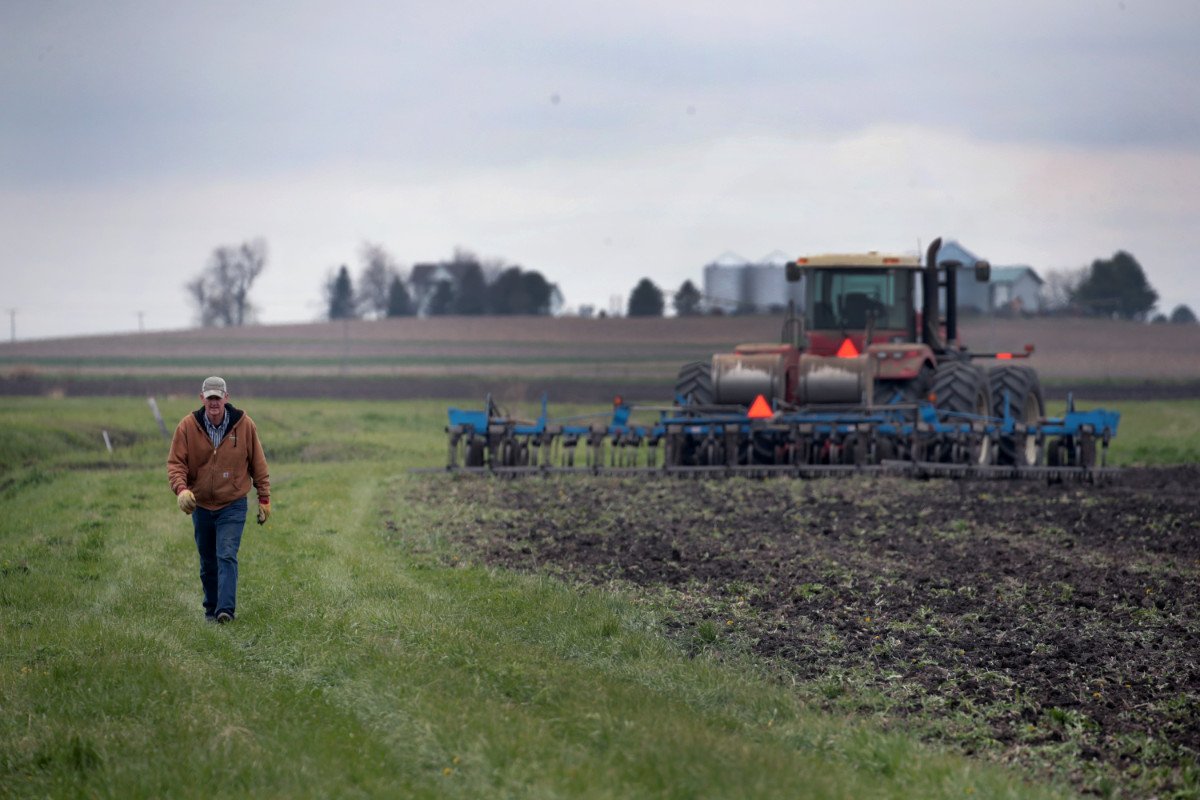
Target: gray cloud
(97,91)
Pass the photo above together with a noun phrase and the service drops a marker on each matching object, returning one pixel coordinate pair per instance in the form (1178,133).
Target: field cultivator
(916,439)
(869,376)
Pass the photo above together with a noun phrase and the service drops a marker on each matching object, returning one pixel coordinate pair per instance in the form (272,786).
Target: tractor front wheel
(694,384)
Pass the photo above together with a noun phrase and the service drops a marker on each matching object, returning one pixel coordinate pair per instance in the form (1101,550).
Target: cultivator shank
(901,438)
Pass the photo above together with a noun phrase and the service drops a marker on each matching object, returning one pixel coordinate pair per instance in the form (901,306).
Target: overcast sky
(595,143)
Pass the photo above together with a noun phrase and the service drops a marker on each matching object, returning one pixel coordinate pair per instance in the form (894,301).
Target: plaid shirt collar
(216,432)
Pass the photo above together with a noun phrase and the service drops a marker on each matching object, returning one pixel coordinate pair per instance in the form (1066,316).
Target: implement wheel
(475,450)
(1025,405)
(961,387)
(694,383)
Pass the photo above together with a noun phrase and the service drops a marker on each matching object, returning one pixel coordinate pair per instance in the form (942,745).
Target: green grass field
(363,665)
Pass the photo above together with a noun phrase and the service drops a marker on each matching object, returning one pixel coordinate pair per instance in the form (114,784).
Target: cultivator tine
(595,441)
(628,448)
(454,440)
(540,447)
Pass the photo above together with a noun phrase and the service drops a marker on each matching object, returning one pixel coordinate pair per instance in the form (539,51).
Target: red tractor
(862,343)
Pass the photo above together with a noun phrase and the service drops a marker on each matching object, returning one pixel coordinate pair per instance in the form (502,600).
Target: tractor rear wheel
(694,383)
(1023,391)
(962,388)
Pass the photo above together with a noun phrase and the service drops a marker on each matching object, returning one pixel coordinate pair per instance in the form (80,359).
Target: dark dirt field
(1054,626)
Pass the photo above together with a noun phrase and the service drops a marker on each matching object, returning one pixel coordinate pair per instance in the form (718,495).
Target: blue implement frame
(805,442)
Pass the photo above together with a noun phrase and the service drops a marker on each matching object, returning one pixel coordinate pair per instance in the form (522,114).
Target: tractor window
(845,298)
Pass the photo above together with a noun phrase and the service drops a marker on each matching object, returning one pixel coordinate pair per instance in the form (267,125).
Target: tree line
(466,285)
(1114,287)
(462,284)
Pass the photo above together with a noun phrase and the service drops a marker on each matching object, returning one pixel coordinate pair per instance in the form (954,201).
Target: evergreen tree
(540,294)
(399,302)
(472,295)
(646,300)
(506,294)
(340,293)
(442,301)
(515,291)
(1183,315)
(1116,287)
(687,300)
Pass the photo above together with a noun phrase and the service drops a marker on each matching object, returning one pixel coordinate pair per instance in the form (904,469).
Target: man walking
(215,454)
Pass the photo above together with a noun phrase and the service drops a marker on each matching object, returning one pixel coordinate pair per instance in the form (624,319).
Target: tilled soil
(1057,626)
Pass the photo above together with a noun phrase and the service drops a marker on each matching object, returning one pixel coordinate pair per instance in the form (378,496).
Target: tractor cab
(863,298)
(860,337)
(871,299)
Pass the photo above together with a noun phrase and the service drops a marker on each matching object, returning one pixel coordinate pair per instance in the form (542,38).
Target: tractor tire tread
(1020,384)
(694,383)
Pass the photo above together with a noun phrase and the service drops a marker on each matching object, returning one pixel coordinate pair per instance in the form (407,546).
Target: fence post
(162,426)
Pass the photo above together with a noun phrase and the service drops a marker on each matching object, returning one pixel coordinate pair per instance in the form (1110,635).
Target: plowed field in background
(574,359)
(1054,626)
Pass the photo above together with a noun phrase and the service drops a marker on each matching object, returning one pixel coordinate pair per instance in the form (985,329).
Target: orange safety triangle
(847,350)
(760,409)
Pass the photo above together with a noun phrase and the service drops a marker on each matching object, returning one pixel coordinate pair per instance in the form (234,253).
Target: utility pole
(12,323)
(141,327)
(345,344)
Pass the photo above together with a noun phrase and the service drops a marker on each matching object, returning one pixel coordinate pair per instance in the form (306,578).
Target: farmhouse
(1012,289)
(425,278)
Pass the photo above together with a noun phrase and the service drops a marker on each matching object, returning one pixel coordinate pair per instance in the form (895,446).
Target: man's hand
(264,511)
(187,501)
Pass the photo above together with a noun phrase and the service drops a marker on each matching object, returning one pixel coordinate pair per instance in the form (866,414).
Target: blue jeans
(218,537)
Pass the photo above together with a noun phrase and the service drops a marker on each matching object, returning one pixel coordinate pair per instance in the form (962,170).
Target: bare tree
(222,291)
(1061,286)
(375,281)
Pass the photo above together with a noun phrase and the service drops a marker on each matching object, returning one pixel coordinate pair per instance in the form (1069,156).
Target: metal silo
(766,286)
(723,281)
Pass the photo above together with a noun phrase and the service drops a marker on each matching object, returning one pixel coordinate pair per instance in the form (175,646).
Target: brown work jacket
(218,476)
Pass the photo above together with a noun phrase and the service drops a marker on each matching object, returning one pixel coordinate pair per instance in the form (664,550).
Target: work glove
(264,511)
(187,501)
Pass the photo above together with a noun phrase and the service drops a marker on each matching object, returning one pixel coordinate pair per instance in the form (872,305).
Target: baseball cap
(213,387)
